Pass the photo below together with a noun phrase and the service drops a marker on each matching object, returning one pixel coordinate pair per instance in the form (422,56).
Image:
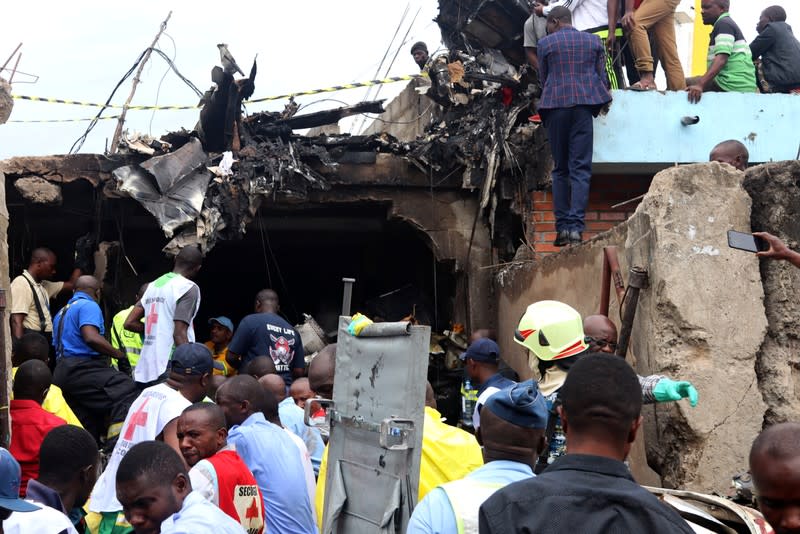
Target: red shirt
(239,496)
(29,425)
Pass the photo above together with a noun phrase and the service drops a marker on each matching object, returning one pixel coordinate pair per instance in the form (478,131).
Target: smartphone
(746,242)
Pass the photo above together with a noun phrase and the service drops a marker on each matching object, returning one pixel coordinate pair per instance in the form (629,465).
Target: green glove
(667,390)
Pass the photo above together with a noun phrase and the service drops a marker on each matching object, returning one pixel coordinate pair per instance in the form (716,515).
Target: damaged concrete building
(442,210)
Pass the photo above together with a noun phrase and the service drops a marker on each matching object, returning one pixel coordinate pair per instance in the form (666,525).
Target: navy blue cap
(521,405)
(222,321)
(10,475)
(482,350)
(193,359)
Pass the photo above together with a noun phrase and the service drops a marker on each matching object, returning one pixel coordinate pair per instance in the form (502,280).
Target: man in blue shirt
(293,418)
(94,390)
(481,363)
(574,90)
(512,435)
(267,333)
(154,489)
(270,454)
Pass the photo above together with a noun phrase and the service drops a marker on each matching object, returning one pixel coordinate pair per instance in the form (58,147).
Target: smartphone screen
(746,242)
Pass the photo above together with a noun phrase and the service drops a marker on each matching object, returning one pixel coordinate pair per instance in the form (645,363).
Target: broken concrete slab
(689,322)
(39,191)
(775,189)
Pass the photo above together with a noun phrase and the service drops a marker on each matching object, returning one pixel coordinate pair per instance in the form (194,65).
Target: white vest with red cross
(146,419)
(159,315)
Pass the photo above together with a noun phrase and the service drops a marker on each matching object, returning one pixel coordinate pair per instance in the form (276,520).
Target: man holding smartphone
(777,249)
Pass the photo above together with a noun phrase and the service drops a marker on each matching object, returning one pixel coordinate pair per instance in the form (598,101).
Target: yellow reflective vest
(128,342)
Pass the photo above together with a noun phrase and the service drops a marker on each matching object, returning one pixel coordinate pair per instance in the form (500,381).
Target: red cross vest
(239,496)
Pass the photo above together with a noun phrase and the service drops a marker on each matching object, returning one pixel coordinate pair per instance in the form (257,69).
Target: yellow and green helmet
(551,330)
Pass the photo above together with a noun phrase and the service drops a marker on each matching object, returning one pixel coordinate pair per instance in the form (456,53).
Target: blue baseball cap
(10,476)
(222,321)
(482,350)
(193,359)
(521,405)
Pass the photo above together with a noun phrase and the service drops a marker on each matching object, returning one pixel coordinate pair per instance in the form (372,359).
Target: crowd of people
(218,440)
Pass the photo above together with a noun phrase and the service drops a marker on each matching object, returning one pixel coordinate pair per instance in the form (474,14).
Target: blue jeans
(570,131)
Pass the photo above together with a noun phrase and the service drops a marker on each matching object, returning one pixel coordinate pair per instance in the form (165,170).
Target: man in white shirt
(168,307)
(154,488)
(153,416)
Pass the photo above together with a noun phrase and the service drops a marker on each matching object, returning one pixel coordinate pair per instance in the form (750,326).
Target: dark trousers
(570,132)
(99,395)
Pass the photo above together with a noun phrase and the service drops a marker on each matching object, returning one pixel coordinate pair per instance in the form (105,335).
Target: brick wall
(606,191)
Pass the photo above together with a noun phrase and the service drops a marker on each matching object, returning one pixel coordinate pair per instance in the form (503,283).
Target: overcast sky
(80,50)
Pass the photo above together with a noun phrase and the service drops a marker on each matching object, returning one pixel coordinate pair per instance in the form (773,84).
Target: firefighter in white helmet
(553,332)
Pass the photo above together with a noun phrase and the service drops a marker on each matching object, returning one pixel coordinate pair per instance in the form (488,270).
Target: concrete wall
(645,128)
(689,321)
(407,115)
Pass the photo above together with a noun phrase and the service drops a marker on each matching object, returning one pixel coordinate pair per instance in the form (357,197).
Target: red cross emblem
(252,511)
(138,418)
(151,320)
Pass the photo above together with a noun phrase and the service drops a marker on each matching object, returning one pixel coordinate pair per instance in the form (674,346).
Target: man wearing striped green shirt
(730,64)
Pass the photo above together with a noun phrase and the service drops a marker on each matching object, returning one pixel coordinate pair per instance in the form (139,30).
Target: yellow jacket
(448,453)
(55,404)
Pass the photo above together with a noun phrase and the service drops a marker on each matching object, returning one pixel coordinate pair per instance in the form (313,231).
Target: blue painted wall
(644,130)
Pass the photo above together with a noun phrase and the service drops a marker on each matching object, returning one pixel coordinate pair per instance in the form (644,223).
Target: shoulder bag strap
(39,310)
(60,346)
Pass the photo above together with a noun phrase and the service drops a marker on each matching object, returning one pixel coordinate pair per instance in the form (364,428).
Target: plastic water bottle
(467,403)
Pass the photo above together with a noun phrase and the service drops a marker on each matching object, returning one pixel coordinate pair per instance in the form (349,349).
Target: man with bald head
(269,453)
(217,472)
(266,332)
(601,337)
(293,418)
(732,152)
(168,306)
(30,423)
(31,293)
(259,366)
(775,466)
(95,391)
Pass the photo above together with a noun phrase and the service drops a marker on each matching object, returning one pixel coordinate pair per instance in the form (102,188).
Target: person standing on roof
(99,394)
(656,17)
(730,63)
(481,363)
(553,332)
(265,332)
(591,16)
(572,69)
(779,51)
(128,342)
(512,435)
(221,332)
(168,306)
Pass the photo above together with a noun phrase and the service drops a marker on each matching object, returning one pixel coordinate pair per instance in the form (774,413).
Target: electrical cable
(280,275)
(264,248)
(161,81)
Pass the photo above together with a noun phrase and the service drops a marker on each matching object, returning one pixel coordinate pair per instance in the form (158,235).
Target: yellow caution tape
(68,120)
(369,83)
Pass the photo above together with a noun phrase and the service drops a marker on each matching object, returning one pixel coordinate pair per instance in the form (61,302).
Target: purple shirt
(572,69)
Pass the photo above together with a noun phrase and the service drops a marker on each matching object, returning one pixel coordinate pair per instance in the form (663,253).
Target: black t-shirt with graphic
(267,334)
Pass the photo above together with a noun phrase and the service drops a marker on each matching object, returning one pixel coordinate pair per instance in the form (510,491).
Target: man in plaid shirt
(575,88)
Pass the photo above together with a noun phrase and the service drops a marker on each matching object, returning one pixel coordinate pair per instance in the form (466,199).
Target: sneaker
(575,237)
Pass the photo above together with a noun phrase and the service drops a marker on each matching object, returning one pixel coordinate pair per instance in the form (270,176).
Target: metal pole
(348,295)
(637,280)
(118,131)
(5,420)
(610,271)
